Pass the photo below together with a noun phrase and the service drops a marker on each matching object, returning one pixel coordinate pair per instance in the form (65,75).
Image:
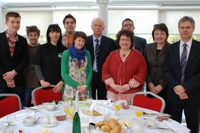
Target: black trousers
(191,114)
(97,84)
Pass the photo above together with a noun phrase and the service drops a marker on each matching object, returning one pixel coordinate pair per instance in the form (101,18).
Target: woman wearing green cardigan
(76,69)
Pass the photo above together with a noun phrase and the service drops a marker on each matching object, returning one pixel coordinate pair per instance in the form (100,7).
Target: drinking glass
(138,112)
(117,107)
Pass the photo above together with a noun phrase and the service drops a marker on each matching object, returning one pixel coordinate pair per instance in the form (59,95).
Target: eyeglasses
(126,25)
(125,40)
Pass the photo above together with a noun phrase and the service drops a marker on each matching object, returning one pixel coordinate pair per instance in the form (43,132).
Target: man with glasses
(139,43)
(69,23)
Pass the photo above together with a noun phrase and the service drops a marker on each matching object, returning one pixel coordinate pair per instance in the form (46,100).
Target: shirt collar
(94,38)
(189,43)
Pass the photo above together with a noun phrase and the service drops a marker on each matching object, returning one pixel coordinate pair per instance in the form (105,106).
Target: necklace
(123,55)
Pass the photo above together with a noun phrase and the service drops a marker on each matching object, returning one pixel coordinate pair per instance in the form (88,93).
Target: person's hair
(69,16)
(80,34)
(32,28)
(54,28)
(187,18)
(127,19)
(126,33)
(161,27)
(98,18)
(12,14)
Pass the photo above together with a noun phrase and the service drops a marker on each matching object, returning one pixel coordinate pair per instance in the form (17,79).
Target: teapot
(137,126)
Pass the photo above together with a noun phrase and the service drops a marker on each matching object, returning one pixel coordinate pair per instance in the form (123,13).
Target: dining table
(65,126)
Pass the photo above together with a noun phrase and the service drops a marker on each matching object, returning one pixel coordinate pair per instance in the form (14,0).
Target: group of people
(101,68)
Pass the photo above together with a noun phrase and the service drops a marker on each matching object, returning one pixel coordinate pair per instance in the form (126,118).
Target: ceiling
(50,3)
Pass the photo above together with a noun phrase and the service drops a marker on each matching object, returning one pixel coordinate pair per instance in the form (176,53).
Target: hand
(58,87)
(11,83)
(158,88)
(179,89)
(133,83)
(44,83)
(9,75)
(82,88)
(109,81)
(125,88)
(183,96)
(152,87)
(117,88)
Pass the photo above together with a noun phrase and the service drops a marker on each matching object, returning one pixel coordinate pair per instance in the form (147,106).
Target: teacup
(46,120)
(30,119)
(84,127)
(51,106)
(151,122)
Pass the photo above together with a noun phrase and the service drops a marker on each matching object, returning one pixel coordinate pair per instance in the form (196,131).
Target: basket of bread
(111,125)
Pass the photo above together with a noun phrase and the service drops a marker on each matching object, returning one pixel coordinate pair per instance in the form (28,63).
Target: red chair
(155,103)
(9,103)
(40,95)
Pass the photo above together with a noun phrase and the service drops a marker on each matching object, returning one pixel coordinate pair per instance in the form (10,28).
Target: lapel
(102,45)
(153,49)
(6,45)
(192,53)
(176,52)
(90,40)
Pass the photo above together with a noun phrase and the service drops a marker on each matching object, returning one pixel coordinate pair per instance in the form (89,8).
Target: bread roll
(99,124)
(105,128)
(111,119)
(115,130)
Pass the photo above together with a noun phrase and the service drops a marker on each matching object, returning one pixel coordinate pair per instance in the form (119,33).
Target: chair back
(155,103)
(40,95)
(9,103)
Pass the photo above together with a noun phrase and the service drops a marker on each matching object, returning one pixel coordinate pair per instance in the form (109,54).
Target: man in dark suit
(182,73)
(139,43)
(13,56)
(105,46)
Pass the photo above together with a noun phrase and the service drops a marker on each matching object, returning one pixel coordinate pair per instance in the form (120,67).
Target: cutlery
(30,108)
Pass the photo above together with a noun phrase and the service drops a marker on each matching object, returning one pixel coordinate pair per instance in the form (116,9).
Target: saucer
(50,125)
(30,124)
(46,108)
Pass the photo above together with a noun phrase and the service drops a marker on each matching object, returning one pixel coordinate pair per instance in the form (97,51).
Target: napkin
(176,127)
(106,113)
(24,115)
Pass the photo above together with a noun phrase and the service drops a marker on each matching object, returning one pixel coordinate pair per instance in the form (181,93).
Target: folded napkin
(176,127)
(24,115)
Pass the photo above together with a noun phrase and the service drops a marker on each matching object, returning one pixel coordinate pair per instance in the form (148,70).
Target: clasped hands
(9,78)
(122,88)
(180,91)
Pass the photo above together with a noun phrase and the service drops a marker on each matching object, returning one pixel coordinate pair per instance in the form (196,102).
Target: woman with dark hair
(76,69)
(124,70)
(47,59)
(155,58)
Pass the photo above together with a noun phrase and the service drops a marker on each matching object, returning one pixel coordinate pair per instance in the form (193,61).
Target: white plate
(49,125)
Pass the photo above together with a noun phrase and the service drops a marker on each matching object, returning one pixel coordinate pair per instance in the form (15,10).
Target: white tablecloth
(65,126)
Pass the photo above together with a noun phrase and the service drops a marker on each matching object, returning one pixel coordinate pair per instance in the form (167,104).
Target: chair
(9,103)
(155,103)
(40,95)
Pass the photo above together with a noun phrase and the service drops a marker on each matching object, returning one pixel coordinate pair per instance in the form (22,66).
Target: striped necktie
(183,62)
(97,51)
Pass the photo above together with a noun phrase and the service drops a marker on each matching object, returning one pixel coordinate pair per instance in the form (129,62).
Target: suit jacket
(18,61)
(172,72)
(140,44)
(107,45)
(155,69)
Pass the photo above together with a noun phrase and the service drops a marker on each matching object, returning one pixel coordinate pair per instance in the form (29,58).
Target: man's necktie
(183,62)
(97,51)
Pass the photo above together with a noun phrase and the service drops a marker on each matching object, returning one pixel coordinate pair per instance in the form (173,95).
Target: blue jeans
(27,97)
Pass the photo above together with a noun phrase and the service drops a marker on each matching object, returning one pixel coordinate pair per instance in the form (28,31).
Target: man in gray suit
(139,43)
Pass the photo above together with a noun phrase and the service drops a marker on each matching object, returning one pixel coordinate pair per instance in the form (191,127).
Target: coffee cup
(51,106)
(84,127)
(30,119)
